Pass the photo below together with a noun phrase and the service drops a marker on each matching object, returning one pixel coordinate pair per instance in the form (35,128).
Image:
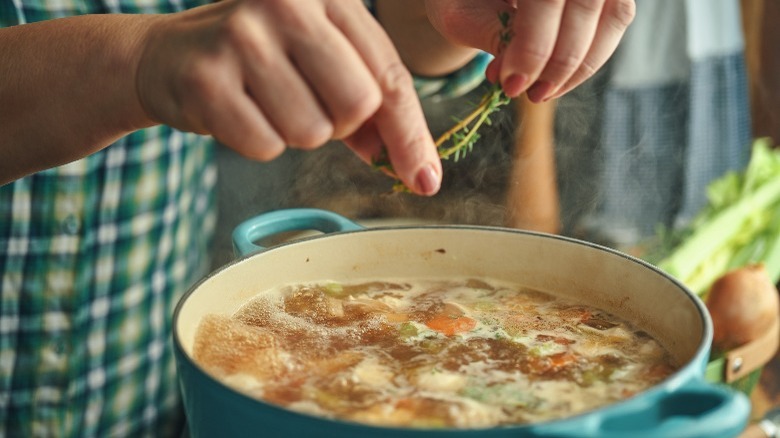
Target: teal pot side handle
(295,219)
(695,409)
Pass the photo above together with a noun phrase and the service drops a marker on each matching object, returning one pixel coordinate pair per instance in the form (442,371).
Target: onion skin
(743,304)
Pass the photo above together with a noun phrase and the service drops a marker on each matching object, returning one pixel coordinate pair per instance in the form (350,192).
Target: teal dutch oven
(683,405)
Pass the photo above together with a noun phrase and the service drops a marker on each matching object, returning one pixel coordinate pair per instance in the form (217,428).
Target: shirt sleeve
(455,84)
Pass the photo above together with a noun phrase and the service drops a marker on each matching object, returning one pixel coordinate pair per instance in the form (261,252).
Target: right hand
(259,75)
(554,46)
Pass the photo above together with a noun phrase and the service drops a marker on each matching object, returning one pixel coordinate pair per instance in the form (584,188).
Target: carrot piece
(451,325)
(553,363)
(562,359)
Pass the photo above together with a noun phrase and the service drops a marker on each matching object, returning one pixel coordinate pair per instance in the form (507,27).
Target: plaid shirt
(93,257)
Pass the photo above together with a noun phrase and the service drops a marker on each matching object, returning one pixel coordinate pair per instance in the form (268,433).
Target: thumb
(469,23)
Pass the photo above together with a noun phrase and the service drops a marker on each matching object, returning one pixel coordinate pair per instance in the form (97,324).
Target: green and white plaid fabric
(94,256)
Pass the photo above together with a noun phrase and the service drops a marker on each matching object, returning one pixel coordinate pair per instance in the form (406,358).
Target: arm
(422,48)
(532,192)
(68,89)
(257,75)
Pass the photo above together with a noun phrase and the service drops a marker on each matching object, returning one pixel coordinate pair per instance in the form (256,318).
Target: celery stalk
(716,233)
(771,258)
(739,226)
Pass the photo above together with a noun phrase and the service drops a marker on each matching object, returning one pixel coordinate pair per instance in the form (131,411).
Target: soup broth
(429,354)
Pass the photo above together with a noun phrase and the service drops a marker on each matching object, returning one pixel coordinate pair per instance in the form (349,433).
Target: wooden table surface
(767,393)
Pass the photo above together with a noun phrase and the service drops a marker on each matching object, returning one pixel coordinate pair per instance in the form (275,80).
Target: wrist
(424,49)
(140,30)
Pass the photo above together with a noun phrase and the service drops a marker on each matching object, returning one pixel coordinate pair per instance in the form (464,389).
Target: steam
(473,188)
(473,191)
(578,155)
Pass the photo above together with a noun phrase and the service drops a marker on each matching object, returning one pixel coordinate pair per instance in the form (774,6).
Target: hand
(555,44)
(259,75)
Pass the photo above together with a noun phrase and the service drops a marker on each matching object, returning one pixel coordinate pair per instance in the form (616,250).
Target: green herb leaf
(459,140)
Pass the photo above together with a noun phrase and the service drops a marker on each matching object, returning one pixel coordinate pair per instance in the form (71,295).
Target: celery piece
(705,273)
(771,259)
(407,330)
(764,165)
(716,233)
(506,394)
(750,252)
(335,290)
(738,226)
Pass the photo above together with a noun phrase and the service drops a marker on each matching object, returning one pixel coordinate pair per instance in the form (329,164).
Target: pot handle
(696,409)
(295,219)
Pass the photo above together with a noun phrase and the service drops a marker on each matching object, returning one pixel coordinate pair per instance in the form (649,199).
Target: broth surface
(461,353)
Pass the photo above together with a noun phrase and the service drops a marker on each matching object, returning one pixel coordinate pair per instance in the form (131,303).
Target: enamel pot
(683,405)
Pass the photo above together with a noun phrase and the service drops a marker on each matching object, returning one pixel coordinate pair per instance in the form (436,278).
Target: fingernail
(427,181)
(539,91)
(515,84)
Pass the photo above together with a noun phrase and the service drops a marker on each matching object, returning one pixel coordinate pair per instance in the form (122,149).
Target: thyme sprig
(460,139)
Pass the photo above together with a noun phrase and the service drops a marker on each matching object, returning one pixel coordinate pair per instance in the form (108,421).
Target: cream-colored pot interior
(593,275)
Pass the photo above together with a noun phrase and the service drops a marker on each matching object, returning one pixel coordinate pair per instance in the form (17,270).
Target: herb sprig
(459,140)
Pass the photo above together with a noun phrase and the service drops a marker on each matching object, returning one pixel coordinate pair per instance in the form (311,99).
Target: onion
(743,304)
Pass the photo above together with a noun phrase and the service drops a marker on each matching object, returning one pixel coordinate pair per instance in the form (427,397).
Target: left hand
(260,75)
(555,44)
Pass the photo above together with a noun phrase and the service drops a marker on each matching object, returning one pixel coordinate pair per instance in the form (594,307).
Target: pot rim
(677,379)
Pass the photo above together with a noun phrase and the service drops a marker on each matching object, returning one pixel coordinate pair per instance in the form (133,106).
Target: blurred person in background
(637,147)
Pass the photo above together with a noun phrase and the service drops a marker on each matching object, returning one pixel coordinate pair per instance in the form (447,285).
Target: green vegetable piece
(505,394)
(459,140)
(335,290)
(407,330)
(739,226)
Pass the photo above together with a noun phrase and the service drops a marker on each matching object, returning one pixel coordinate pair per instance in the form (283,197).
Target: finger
(535,30)
(399,121)
(279,90)
(403,129)
(365,142)
(578,27)
(234,119)
(367,145)
(616,16)
(290,105)
(493,69)
(218,105)
(479,18)
(348,91)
